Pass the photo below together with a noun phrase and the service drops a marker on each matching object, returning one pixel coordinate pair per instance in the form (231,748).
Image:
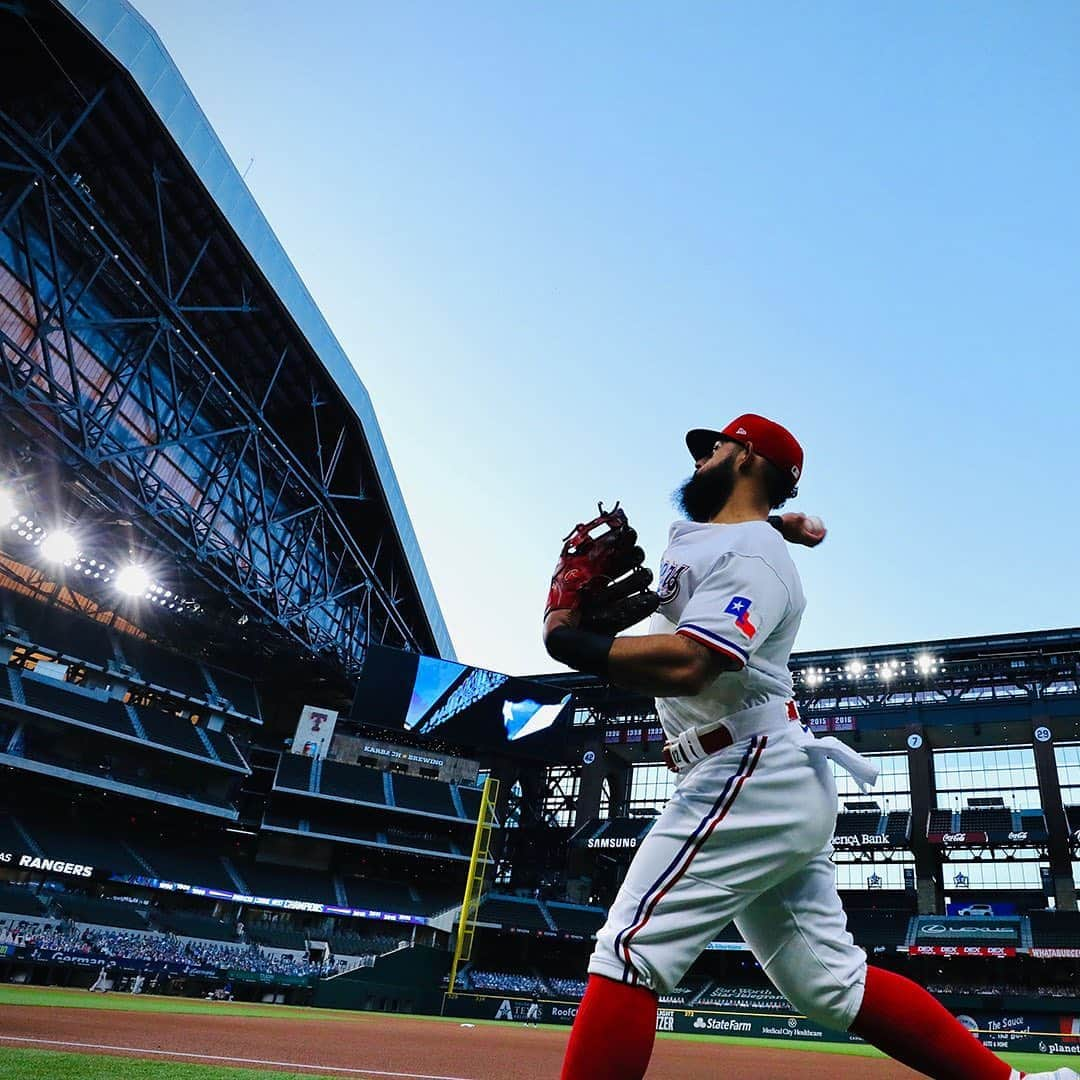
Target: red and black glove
(600,575)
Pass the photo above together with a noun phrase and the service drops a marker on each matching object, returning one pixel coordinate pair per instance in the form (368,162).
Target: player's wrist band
(776,521)
(580,649)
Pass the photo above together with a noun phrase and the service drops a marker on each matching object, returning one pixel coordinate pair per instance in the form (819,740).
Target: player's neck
(742,506)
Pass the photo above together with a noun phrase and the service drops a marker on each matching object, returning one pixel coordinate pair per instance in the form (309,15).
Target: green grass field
(24,1064)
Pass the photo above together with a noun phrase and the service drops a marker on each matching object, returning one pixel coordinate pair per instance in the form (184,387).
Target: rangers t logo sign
(740,608)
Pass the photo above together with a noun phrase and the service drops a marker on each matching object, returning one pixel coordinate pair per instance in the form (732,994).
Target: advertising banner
(977,931)
(99,960)
(314,730)
(987,951)
(1048,1033)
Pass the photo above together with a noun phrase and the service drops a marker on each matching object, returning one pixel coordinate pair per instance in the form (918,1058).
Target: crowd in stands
(573,988)
(1005,990)
(159,947)
(506,982)
(758,998)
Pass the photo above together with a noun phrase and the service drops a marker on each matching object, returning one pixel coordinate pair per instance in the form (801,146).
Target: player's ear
(746,457)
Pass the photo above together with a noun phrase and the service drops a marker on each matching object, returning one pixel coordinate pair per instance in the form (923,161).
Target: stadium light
(855,668)
(133,580)
(8,509)
(924,663)
(59,546)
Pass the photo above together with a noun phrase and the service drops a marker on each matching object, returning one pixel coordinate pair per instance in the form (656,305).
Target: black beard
(706,493)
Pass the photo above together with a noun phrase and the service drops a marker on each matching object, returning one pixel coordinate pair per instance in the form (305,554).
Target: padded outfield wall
(1049,1032)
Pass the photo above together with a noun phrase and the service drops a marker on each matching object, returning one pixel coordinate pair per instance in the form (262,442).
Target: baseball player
(532,1015)
(746,837)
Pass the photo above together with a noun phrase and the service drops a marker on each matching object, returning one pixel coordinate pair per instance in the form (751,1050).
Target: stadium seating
(855,824)
(383,896)
(94,909)
(237,690)
(750,998)
(988,821)
(171,731)
(189,868)
(470,801)
(941,821)
(572,919)
(567,988)
(329,823)
(11,839)
(421,841)
(20,900)
(512,911)
(189,924)
(62,633)
(287,882)
(275,937)
(1072,816)
(82,845)
(507,982)
(346,944)
(225,748)
(1034,824)
(56,697)
(167,670)
(352,782)
(425,796)
(1055,929)
(898,826)
(869,927)
(294,771)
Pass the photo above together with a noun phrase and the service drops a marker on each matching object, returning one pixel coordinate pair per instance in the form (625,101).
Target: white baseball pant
(746,837)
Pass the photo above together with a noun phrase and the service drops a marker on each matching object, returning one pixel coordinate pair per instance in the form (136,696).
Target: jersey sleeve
(736,606)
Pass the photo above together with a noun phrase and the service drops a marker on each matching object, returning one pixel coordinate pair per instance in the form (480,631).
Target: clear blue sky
(554,236)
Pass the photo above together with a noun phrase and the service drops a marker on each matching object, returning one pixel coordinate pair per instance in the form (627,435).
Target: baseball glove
(600,575)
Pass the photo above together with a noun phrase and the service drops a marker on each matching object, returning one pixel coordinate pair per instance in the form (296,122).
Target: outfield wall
(1040,1033)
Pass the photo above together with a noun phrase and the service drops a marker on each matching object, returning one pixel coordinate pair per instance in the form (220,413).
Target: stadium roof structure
(160,349)
(1001,683)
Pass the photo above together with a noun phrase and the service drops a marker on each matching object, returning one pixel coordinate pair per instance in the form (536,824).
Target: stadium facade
(200,532)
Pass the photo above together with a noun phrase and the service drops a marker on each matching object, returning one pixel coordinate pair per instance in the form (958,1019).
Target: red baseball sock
(901,1018)
(613,1034)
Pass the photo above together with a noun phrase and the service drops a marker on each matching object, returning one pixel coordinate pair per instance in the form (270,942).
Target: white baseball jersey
(747,835)
(735,589)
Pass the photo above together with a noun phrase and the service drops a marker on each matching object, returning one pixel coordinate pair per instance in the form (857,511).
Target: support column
(1050,796)
(928,868)
(593,770)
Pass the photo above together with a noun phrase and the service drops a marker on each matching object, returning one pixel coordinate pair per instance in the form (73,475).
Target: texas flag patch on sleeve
(740,608)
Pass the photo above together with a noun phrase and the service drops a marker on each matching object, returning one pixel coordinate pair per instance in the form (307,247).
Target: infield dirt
(391,1046)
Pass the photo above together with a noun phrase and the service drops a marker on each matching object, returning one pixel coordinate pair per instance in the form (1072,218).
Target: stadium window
(650,787)
(995,874)
(862,876)
(605,798)
(891,792)
(1068,767)
(1008,772)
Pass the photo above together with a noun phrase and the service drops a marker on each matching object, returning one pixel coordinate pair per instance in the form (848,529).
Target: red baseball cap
(772,441)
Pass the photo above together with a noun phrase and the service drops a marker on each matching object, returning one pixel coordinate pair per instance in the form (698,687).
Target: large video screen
(470,707)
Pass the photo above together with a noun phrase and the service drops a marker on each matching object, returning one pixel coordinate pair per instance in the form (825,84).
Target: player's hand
(802,529)
(561,617)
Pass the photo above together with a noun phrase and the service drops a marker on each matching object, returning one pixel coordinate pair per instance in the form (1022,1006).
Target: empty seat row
(78,638)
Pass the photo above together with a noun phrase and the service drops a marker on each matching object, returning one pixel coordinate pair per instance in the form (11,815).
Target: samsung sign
(44,865)
(612,842)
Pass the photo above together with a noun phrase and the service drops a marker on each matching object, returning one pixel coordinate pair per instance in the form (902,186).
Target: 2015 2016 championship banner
(1040,1033)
